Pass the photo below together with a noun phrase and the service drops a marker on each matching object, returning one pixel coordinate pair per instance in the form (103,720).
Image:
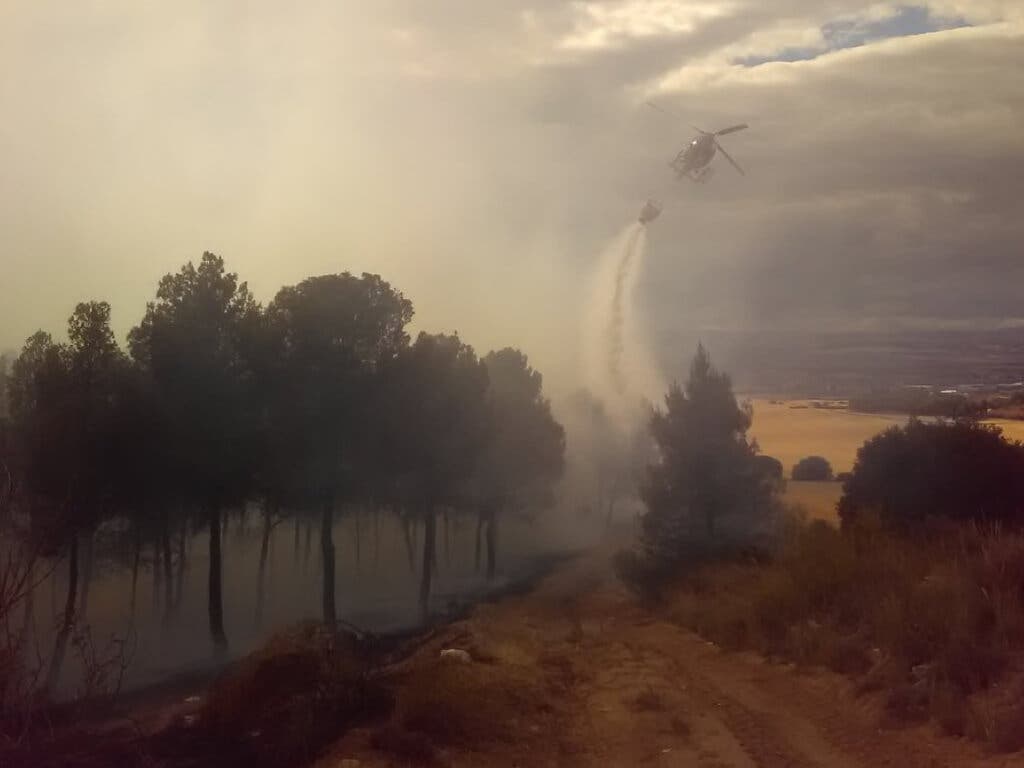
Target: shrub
(812,468)
(958,471)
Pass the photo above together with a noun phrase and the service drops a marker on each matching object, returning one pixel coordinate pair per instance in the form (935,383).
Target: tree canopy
(920,471)
(706,476)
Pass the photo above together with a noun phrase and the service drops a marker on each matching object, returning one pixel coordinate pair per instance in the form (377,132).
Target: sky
(481,154)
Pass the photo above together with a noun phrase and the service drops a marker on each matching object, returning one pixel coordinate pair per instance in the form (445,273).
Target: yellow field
(818,499)
(1012,429)
(789,433)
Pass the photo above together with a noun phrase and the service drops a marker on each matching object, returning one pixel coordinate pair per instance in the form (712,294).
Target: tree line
(319,402)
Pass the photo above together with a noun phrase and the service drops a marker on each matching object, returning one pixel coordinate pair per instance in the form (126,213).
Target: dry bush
(22,663)
(282,704)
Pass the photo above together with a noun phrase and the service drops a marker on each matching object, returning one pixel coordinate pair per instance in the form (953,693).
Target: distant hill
(851,363)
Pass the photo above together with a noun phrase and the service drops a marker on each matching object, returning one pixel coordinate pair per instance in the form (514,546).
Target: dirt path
(627,689)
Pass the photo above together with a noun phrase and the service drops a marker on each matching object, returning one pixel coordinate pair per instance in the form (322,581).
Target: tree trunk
(157,573)
(359,538)
(709,522)
(428,561)
(447,541)
(433,545)
(87,559)
(135,566)
(28,618)
(268,512)
(165,543)
(68,623)
(327,551)
(215,601)
(53,592)
(492,545)
(182,562)
(296,553)
(308,546)
(479,529)
(407,535)
(376,537)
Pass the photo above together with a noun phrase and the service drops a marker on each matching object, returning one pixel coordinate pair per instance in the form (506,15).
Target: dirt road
(625,688)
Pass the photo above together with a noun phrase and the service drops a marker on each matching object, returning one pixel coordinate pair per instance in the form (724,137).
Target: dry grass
(933,622)
(817,499)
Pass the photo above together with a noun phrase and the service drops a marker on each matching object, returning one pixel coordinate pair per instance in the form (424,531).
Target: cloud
(852,32)
(479,155)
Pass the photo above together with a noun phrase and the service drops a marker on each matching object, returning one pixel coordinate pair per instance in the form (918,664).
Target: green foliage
(922,471)
(812,468)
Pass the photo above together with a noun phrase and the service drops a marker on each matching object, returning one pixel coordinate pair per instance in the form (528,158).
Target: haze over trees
(607,461)
(316,406)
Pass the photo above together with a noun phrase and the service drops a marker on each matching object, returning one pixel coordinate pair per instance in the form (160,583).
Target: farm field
(790,433)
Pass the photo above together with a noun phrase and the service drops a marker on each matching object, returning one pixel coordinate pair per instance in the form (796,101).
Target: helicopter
(694,160)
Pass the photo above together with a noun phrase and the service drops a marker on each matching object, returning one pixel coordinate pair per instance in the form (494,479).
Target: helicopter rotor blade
(673,115)
(731,129)
(663,111)
(728,157)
